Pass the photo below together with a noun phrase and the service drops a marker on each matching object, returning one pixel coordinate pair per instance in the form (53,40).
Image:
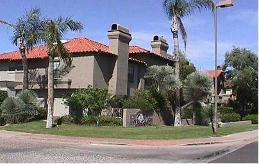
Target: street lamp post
(221,4)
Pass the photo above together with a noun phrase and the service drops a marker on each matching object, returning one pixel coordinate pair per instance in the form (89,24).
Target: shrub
(72,119)
(109,121)
(67,119)
(2,121)
(42,113)
(117,101)
(186,113)
(252,117)
(101,121)
(161,101)
(29,97)
(201,116)
(92,120)
(142,100)
(93,99)
(224,110)
(89,120)
(230,117)
(3,96)
(205,115)
(13,110)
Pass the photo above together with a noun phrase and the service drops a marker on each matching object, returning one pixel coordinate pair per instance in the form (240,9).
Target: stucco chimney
(159,46)
(119,37)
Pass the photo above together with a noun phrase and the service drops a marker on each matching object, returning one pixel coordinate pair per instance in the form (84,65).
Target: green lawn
(127,133)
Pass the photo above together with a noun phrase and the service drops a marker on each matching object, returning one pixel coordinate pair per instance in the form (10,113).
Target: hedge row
(252,117)
(91,120)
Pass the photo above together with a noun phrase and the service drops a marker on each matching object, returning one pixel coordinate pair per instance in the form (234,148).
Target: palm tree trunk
(25,72)
(194,113)
(25,68)
(50,93)
(177,120)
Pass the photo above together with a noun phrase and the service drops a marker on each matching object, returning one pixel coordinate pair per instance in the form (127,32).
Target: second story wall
(152,60)
(5,74)
(80,75)
(81,72)
(103,69)
(136,73)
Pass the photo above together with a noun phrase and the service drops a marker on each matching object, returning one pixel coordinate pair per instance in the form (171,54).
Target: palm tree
(176,10)
(26,36)
(196,87)
(52,35)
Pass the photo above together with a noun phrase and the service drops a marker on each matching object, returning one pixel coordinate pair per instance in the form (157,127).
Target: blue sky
(145,18)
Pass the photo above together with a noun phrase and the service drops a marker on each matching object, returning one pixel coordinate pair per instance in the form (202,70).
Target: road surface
(22,147)
(246,154)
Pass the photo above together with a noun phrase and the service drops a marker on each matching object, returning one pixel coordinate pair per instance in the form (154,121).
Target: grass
(127,133)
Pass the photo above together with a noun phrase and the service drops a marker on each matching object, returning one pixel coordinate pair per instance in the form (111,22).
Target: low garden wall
(134,117)
(229,124)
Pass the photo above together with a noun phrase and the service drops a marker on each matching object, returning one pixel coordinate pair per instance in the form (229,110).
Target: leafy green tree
(93,99)
(162,78)
(176,11)
(142,100)
(186,67)
(241,72)
(164,84)
(196,87)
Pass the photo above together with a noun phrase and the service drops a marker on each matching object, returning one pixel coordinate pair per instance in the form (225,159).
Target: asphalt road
(26,148)
(246,154)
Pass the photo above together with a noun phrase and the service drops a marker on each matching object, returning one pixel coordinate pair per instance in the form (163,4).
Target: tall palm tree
(176,11)
(52,35)
(26,34)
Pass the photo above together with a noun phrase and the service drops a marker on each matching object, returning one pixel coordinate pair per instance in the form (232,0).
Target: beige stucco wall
(81,73)
(138,82)
(103,68)
(152,60)
(60,109)
(5,74)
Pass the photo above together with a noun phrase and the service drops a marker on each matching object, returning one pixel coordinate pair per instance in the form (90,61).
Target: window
(17,67)
(131,74)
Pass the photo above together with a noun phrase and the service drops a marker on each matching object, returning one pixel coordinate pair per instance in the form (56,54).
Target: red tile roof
(212,73)
(76,45)
(137,61)
(35,53)
(137,49)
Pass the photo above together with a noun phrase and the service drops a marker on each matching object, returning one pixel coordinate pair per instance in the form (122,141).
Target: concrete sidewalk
(244,136)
